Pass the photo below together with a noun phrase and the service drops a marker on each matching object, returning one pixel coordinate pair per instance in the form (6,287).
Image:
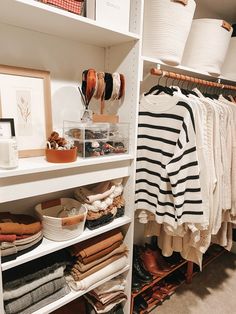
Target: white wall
(65,59)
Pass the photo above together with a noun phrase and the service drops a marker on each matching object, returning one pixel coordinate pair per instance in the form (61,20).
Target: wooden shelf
(157,279)
(154,303)
(47,246)
(40,17)
(209,259)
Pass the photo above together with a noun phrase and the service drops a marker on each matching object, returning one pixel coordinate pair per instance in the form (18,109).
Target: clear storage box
(98,139)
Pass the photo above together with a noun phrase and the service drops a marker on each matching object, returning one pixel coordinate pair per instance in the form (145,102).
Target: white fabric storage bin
(207,45)
(166,27)
(57,225)
(229,66)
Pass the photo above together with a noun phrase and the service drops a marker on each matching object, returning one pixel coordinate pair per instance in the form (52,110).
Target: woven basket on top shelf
(207,45)
(166,27)
(229,66)
(74,6)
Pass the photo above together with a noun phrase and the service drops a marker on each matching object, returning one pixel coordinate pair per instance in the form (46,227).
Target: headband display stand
(102,86)
(105,117)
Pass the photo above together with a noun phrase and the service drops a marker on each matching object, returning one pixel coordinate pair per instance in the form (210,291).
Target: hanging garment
(215,141)
(167,175)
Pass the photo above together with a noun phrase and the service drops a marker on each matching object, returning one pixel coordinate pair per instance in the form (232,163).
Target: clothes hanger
(157,89)
(190,90)
(232,99)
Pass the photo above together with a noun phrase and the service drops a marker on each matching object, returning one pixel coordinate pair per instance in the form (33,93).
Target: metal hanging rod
(187,78)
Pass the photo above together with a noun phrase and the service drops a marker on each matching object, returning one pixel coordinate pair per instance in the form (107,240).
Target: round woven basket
(166,27)
(207,45)
(57,226)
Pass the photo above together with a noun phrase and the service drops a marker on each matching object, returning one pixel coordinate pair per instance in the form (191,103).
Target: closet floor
(211,292)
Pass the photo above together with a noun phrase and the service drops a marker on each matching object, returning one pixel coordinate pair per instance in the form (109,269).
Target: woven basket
(166,27)
(56,225)
(75,6)
(207,45)
(229,66)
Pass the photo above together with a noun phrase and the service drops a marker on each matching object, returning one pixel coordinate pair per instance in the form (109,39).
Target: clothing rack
(181,77)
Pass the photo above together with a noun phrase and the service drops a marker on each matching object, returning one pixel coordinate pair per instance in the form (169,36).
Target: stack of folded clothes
(106,297)
(77,306)
(19,234)
(96,259)
(31,286)
(103,201)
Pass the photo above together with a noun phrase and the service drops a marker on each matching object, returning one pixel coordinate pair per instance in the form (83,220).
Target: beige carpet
(212,292)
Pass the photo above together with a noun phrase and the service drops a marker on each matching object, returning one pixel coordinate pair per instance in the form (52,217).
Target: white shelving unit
(39,36)
(34,15)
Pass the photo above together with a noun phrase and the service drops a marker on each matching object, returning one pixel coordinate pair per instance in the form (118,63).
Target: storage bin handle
(226,26)
(184,2)
(70,221)
(51,203)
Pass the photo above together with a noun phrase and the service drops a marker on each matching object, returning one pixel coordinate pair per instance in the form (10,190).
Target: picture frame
(25,95)
(7,128)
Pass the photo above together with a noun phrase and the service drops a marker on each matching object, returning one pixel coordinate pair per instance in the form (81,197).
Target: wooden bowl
(60,156)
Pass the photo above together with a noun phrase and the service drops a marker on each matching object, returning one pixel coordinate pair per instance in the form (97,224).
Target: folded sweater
(16,293)
(77,275)
(28,299)
(94,245)
(85,267)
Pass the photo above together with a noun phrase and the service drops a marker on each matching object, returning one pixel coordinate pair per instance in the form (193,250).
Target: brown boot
(161,261)
(150,262)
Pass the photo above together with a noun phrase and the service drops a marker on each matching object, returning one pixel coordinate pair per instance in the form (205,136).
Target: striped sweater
(167,174)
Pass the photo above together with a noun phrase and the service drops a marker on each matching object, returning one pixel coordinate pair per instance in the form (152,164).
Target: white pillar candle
(8,153)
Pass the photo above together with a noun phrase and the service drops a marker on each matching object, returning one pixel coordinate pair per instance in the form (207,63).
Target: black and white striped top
(167,175)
